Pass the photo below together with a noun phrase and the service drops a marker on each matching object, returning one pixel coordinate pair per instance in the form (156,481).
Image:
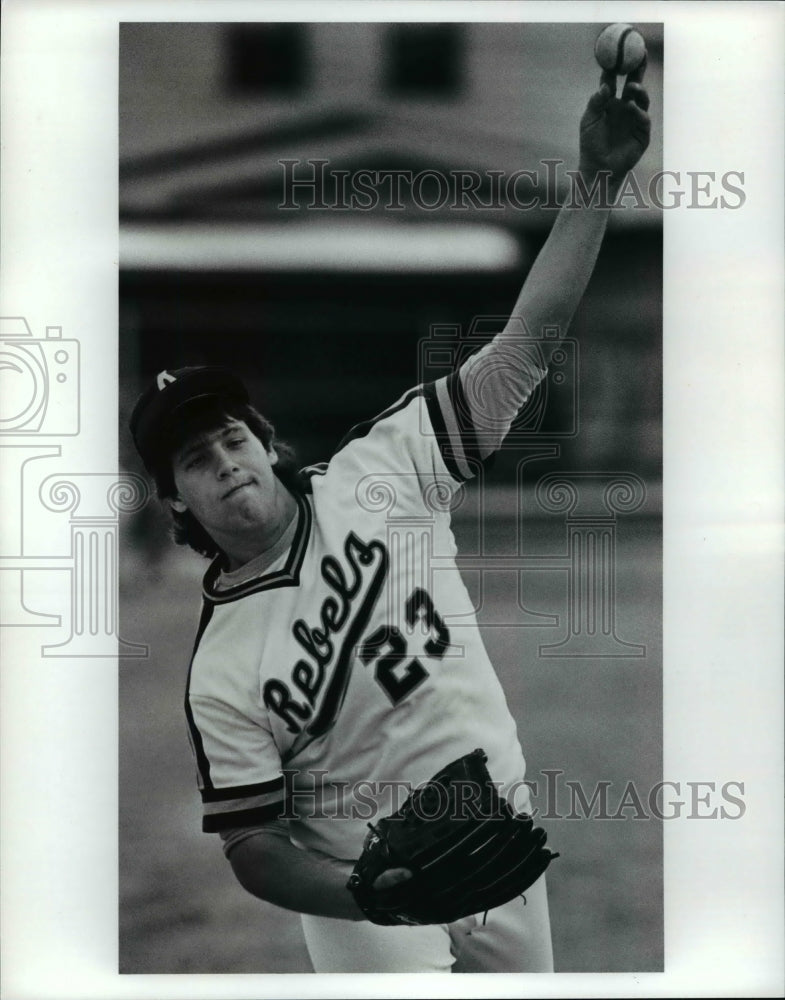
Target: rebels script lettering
(343,617)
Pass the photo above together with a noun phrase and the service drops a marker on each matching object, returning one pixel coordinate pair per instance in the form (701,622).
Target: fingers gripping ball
(619,49)
(467,850)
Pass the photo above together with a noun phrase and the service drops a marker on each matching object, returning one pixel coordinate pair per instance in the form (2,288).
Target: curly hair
(201,417)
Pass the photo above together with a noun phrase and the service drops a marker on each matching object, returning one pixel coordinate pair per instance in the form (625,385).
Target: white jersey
(324,687)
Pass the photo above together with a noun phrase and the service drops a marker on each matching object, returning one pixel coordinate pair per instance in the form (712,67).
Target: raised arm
(497,381)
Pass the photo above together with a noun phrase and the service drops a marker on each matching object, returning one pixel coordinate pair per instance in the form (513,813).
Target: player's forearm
(499,379)
(271,867)
(614,134)
(559,276)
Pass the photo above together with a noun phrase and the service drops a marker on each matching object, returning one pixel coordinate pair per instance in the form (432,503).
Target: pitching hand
(393,876)
(615,131)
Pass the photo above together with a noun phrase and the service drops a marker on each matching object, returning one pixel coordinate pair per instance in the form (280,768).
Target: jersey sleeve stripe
(449,443)
(242,791)
(450,419)
(216,822)
(463,416)
(458,438)
(244,802)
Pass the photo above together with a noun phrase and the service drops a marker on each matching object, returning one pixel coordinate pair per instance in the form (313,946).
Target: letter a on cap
(164,378)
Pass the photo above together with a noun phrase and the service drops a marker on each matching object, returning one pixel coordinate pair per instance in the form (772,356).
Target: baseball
(620,49)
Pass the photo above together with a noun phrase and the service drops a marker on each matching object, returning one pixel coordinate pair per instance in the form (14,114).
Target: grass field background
(181,910)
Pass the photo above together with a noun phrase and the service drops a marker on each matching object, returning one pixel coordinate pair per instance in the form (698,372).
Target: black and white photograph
(390,507)
(439,533)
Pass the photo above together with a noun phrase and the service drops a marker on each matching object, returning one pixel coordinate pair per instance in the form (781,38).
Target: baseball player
(337,662)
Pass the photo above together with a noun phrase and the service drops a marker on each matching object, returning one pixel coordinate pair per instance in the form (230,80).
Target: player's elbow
(250,862)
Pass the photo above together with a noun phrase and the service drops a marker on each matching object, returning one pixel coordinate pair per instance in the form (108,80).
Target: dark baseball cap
(157,409)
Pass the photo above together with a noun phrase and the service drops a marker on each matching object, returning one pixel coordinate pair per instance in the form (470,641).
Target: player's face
(225,478)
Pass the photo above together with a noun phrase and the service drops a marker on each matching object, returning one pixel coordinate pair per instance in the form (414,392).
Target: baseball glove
(468,851)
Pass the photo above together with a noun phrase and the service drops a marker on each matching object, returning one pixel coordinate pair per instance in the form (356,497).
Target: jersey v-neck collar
(287,576)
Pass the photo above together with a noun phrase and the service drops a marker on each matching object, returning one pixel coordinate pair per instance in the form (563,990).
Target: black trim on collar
(289,576)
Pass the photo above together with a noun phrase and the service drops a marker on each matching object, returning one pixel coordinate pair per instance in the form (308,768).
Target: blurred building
(246,239)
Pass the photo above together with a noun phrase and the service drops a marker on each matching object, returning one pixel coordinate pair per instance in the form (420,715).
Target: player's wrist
(594,174)
(346,903)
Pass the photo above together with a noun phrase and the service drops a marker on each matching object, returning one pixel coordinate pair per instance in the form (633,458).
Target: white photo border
(723,345)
